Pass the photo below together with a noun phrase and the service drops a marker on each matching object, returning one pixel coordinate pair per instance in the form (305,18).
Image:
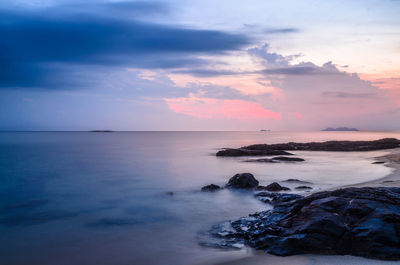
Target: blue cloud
(35,45)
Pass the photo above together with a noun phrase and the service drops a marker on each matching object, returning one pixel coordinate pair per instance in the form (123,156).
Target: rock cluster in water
(280,149)
(275,186)
(249,152)
(352,221)
(276,159)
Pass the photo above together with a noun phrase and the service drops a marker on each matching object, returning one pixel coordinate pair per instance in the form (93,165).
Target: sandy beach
(391,160)
(258,257)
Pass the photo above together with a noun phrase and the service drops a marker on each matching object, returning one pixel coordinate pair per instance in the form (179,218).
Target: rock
(245,152)
(242,181)
(303,188)
(352,221)
(298,181)
(340,129)
(379,162)
(261,160)
(273,187)
(276,159)
(289,159)
(170,193)
(274,198)
(211,187)
(270,149)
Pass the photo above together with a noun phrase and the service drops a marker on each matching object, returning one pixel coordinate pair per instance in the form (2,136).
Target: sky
(199,65)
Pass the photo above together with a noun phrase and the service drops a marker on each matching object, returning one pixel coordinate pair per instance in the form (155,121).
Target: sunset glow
(208,108)
(112,63)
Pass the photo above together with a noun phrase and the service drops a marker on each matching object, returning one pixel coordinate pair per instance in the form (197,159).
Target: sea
(124,198)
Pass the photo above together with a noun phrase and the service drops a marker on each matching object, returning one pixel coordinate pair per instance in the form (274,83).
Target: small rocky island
(281,149)
(351,221)
(340,129)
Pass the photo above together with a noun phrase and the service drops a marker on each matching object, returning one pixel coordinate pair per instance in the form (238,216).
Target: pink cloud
(389,82)
(208,108)
(297,115)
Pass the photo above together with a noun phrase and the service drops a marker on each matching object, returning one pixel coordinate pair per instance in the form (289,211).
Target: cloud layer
(36,44)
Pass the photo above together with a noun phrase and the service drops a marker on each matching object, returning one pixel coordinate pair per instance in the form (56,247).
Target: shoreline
(259,257)
(392,160)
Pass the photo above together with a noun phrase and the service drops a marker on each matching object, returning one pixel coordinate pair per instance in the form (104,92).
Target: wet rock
(352,221)
(379,162)
(261,160)
(288,159)
(211,187)
(273,187)
(274,198)
(344,146)
(298,181)
(276,159)
(303,188)
(242,181)
(246,152)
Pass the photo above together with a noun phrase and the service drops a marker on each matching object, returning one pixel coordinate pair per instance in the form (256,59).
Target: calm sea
(103,198)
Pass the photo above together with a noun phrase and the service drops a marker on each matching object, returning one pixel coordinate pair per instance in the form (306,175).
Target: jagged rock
(211,187)
(245,152)
(273,187)
(352,221)
(242,181)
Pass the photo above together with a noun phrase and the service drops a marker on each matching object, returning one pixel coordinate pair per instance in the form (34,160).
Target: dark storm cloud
(32,41)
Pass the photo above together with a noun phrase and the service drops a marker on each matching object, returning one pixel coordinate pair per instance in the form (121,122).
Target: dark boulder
(211,187)
(352,221)
(273,187)
(288,159)
(378,162)
(242,181)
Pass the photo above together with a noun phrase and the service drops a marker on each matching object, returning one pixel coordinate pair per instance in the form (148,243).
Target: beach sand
(258,257)
(391,160)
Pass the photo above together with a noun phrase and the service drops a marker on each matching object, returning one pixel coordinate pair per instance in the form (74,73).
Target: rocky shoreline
(351,221)
(281,149)
(359,221)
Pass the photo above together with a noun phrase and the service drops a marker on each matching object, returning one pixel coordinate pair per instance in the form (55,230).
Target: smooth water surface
(104,198)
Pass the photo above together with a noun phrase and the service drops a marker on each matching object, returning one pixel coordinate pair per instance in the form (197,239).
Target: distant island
(103,131)
(346,129)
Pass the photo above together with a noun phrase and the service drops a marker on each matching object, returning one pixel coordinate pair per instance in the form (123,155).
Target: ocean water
(104,198)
